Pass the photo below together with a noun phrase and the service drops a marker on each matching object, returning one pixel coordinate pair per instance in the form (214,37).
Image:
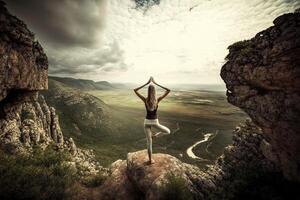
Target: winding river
(190,152)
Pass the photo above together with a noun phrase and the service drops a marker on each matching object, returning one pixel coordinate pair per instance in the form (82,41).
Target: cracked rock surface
(262,77)
(23,63)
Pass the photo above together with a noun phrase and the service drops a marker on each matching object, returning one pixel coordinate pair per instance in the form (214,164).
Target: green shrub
(94,180)
(175,188)
(41,175)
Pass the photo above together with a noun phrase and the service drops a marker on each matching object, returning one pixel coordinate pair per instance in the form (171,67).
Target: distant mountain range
(84,84)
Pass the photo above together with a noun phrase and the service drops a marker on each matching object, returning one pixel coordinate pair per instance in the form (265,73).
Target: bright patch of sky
(184,41)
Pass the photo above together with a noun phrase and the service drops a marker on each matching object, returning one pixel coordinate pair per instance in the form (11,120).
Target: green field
(188,113)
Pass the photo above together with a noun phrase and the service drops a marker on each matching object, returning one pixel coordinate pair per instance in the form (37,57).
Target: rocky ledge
(262,77)
(135,178)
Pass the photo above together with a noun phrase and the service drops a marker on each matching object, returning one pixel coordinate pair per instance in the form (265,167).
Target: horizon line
(186,83)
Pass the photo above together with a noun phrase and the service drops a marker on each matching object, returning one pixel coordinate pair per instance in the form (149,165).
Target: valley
(110,121)
(190,114)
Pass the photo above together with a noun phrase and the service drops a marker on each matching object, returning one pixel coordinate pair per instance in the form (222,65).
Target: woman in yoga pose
(151,121)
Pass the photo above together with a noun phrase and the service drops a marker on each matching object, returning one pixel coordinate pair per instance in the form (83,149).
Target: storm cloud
(71,32)
(87,62)
(62,22)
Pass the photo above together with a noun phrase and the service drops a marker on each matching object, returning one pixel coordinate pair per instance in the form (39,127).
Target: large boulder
(135,178)
(262,77)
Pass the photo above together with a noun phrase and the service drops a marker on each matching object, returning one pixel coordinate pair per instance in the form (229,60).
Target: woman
(151,121)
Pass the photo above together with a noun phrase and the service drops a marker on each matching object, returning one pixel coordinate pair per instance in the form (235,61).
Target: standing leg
(148,133)
(163,130)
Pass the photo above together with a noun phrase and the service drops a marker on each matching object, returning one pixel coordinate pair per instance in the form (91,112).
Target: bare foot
(155,135)
(151,162)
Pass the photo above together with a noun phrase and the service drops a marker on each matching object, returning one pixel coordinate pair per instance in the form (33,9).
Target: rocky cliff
(26,120)
(262,77)
(17,50)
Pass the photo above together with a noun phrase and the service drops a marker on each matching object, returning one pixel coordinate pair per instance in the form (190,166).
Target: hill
(79,112)
(83,84)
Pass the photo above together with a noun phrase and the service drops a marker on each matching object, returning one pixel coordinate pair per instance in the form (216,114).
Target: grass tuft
(175,188)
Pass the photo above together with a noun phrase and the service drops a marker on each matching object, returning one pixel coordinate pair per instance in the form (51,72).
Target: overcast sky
(176,41)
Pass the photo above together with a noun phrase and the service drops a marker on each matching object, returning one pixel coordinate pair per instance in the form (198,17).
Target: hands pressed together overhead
(151,79)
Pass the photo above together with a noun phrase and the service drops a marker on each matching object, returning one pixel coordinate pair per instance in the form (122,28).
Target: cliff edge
(262,77)
(135,178)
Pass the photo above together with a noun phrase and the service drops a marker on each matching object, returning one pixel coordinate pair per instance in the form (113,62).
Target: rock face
(262,76)
(25,118)
(241,169)
(26,121)
(23,63)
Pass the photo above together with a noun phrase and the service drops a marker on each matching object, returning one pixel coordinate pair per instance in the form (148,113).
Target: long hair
(151,101)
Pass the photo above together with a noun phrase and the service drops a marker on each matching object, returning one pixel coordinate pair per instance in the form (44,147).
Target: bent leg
(148,133)
(163,130)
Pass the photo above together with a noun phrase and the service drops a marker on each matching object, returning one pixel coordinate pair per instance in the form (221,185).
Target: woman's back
(151,114)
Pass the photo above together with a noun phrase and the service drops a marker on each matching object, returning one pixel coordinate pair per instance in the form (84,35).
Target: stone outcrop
(23,63)
(262,77)
(26,120)
(136,179)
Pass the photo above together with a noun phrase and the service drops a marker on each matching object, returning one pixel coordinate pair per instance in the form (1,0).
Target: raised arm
(166,92)
(138,88)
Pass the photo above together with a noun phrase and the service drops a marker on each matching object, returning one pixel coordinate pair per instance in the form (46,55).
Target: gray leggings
(154,123)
